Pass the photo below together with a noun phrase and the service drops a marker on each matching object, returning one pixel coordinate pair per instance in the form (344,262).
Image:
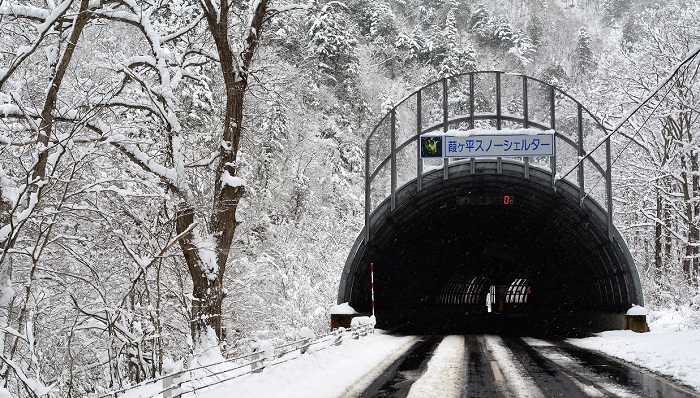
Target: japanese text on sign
(491,145)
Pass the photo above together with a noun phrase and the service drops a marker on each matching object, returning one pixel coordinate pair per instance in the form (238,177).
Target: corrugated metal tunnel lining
(460,234)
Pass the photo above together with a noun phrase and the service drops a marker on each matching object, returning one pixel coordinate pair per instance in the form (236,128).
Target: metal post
(258,360)
(498,100)
(499,160)
(471,100)
(419,131)
(393,160)
(368,188)
(173,386)
(581,153)
(446,161)
(526,105)
(552,115)
(608,188)
(526,123)
(472,161)
(371,271)
(305,346)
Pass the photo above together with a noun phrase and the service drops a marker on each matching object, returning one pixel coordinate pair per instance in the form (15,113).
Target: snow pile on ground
(332,372)
(678,319)
(448,359)
(671,348)
(359,321)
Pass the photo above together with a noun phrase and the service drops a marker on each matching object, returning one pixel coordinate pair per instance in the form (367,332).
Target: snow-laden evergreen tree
(586,61)
(615,9)
(453,56)
(416,46)
(534,30)
(556,76)
(481,23)
(494,30)
(375,19)
(332,42)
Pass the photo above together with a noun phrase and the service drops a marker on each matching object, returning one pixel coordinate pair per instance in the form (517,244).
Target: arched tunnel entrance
(490,242)
(497,253)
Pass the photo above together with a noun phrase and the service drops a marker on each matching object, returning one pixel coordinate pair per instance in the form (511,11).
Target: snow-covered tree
(331,40)
(586,61)
(665,133)
(615,9)
(494,30)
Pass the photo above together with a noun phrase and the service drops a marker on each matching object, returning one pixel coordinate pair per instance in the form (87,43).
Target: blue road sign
(517,143)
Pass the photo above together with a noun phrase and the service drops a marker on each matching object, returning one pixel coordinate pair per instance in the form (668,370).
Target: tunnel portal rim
(489,167)
(576,196)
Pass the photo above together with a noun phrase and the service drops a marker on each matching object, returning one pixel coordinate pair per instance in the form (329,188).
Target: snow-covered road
(481,366)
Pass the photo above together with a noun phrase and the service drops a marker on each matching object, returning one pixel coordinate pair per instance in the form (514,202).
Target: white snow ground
(345,370)
(671,349)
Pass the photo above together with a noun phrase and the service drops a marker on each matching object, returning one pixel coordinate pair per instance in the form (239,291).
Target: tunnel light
(462,290)
(507,199)
(519,291)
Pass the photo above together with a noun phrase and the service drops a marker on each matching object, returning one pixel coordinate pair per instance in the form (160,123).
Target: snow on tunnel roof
(637,310)
(342,309)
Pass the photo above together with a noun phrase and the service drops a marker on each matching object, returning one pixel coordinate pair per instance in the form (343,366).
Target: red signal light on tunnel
(507,199)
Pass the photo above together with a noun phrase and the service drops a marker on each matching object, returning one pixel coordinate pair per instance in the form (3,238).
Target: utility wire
(631,138)
(689,58)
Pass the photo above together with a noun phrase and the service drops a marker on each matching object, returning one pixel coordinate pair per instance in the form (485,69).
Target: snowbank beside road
(670,348)
(333,372)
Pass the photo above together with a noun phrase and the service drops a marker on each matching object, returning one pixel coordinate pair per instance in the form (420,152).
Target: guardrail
(189,381)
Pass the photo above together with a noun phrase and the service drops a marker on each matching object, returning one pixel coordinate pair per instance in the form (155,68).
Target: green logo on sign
(431,147)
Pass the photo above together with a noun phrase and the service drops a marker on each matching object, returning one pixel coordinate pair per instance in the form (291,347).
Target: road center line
(496,372)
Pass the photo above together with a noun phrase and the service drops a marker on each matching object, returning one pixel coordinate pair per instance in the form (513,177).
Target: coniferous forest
(181,176)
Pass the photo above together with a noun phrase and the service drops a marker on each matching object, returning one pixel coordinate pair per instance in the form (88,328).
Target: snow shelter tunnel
(488,251)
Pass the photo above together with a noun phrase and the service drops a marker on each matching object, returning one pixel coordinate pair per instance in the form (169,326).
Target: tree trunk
(38,172)
(658,235)
(694,233)
(691,191)
(207,283)
(206,290)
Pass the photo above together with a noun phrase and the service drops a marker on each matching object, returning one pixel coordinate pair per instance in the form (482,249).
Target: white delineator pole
(371,271)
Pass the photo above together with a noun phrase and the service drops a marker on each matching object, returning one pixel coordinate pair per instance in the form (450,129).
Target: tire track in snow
(576,371)
(483,377)
(443,378)
(520,384)
(608,374)
(397,379)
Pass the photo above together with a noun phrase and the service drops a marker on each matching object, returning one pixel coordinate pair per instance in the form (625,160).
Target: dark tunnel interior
(492,253)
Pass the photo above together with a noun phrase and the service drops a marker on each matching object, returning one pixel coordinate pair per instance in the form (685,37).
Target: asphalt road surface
(513,367)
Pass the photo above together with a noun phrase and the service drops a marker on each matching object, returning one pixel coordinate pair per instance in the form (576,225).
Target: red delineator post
(371,271)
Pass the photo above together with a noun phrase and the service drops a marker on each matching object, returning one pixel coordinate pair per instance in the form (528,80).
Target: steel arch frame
(576,193)
(499,117)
